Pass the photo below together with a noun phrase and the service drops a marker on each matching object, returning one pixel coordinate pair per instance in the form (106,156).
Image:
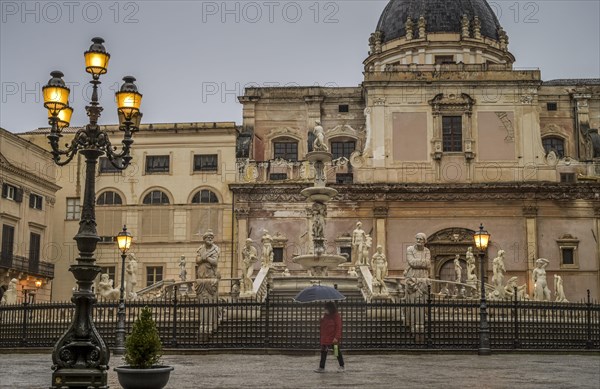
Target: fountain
(319,262)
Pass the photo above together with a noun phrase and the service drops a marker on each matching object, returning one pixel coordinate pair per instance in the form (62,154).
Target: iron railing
(279,323)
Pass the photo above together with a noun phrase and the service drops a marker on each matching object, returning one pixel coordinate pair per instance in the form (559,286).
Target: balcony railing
(19,263)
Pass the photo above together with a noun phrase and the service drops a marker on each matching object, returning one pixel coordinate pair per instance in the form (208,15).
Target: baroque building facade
(443,134)
(27,212)
(175,189)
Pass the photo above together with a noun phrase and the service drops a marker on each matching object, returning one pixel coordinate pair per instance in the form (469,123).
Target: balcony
(22,264)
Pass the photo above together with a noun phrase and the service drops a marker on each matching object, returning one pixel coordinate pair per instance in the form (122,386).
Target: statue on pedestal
(10,295)
(471,267)
(419,263)
(559,290)
(207,276)
(379,265)
(106,289)
(182,269)
(318,228)
(541,291)
(457,269)
(499,269)
(131,277)
(319,143)
(359,239)
(249,258)
(267,250)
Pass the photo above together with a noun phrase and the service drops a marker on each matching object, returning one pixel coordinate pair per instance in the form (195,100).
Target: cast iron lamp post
(80,357)
(124,239)
(482,239)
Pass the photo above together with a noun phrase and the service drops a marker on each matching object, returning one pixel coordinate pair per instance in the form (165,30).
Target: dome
(440,15)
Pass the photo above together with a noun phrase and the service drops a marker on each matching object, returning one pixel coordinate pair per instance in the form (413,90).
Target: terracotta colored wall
(492,140)
(410,136)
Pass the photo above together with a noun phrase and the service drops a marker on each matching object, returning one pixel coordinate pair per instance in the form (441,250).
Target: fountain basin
(319,156)
(325,261)
(319,194)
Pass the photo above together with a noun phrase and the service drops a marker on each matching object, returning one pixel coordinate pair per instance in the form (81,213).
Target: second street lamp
(482,239)
(124,239)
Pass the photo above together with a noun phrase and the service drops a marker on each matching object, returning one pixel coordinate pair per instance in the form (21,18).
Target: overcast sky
(192,58)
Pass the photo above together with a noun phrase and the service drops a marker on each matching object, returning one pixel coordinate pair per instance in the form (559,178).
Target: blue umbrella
(318,293)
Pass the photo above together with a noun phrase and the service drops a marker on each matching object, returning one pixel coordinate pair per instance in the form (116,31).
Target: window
(107,167)
(567,178)
(346,252)
(34,252)
(154,274)
(343,108)
(35,201)
(552,106)
(452,133)
(156,197)
(286,150)
(12,192)
(73,209)
(109,198)
(277,254)
(344,178)
(554,143)
(8,242)
(278,176)
(568,256)
(444,59)
(157,164)
(205,196)
(342,149)
(111,271)
(206,163)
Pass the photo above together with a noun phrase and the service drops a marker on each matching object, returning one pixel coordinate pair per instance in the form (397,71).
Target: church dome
(441,16)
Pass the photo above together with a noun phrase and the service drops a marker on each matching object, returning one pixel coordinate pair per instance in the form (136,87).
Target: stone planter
(153,378)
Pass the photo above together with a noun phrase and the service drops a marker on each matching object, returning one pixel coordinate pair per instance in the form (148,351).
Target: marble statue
(106,289)
(366,247)
(559,290)
(379,265)
(359,238)
(419,262)
(207,260)
(352,272)
(409,26)
(267,250)
(319,143)
(471,267)
(511,285)
(457,269)
(249,258)
(318,227)
(422,24)
(182,269)
(541,291)
(445,291)
(131,276)
(286,272)
(10,295)
(465,25)
(498,269)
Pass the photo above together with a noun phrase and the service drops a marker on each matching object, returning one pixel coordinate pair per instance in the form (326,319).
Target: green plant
(143,347)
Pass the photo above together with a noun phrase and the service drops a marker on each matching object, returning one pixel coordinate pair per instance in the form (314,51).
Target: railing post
(429,340)
(267,315)
(174,336)
(589,344)
(516,342)
(24,326)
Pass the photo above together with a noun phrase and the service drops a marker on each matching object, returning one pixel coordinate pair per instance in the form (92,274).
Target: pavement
(410,370)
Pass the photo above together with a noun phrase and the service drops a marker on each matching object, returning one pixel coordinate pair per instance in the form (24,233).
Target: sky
(193,58)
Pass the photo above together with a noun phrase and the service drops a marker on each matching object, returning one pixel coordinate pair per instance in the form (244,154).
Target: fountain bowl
(319,194)
(312,261)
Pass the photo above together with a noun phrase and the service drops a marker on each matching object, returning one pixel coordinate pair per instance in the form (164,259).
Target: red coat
(331,328)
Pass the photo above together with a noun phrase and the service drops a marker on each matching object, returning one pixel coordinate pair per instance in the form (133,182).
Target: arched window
(554,143)
(205,196)
(156,197)
(109,198)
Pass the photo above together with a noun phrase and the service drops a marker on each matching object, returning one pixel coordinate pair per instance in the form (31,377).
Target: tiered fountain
(319,262)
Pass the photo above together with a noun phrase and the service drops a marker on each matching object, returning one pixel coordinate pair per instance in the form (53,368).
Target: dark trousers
(324,356)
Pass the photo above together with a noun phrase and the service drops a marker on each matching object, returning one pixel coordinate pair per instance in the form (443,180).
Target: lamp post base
(79,378)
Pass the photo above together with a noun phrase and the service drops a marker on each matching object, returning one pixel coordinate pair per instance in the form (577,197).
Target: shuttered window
(156,223)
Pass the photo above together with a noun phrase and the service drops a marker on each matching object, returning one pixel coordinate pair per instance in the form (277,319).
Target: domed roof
(440,15)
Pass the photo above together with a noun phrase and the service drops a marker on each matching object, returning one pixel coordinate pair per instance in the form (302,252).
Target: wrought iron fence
(279,323)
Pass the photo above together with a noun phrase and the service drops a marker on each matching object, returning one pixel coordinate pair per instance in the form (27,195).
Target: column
(530,213)
(380,214)
(241,216)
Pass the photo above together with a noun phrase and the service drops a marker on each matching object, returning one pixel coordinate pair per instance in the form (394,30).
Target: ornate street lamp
(124,239)
(81,356)
(482,239)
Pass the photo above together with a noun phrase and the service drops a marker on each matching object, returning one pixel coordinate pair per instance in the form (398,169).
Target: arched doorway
(444,246)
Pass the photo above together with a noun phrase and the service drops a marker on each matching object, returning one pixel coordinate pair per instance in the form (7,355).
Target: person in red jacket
(331,335)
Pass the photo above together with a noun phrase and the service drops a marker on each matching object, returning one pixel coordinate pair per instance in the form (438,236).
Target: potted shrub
(142,355)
